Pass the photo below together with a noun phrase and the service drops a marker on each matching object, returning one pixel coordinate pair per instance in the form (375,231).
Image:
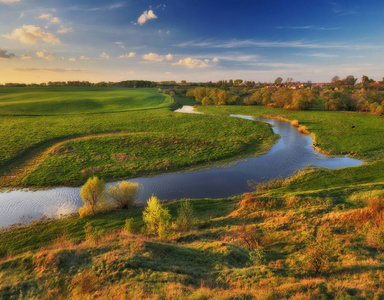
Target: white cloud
(157,57)
(50,18)
(215,60)
(147,15)
(42,54)
(84,58)
(131,54)
(9,1)
(30,34)
(25,57)
(45,16)
(104,55)
(55,20)
(72,59)
(192,63)
(65,30)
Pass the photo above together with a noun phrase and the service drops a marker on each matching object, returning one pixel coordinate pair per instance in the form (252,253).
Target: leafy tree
(278,80)
(93,195)
(185,219)
(156,217)
(124,194)
(335,79)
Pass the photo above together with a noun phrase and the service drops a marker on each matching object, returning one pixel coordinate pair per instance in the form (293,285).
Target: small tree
(156,217)
(124,194)
(93,195)
(185,218)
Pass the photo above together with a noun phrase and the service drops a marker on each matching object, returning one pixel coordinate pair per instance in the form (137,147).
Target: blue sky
(42,40)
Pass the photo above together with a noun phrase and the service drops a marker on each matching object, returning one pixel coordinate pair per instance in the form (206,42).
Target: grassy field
(67,149)
(77,100)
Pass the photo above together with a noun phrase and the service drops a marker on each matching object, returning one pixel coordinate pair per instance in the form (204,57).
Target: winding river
(291,152)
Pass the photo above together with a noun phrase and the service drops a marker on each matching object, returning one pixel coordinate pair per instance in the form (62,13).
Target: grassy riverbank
(360,135)
(281,242)
(66,149)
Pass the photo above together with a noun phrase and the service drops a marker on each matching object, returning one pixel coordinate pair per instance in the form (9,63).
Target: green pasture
(118,144)
(77,100)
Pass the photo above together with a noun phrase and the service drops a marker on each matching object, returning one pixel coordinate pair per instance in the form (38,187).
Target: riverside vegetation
(316,235)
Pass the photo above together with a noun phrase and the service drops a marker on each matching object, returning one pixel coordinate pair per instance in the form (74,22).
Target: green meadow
(39,101)
(316,235)
(132,136)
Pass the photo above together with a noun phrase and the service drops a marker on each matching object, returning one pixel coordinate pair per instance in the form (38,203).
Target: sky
(193,40)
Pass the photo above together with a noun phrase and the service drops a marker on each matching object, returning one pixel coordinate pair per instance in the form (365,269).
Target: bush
(130,227)
(319,252)
(92,234)
(251,237)
(375,236)
(156,217)
(185,218)
(93,195)
(124,194)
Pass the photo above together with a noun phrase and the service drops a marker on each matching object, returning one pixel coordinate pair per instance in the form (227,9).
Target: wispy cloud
(46,70)
(30,34)
(121,45)
(9,1)
(276,44)
(308,28)
(42,54)
(5,55)
(98,8)
(325,55)
(130,55)
(341,10)
(104,55)
(64,30)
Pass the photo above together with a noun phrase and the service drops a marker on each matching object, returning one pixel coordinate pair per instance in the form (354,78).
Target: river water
(291,152)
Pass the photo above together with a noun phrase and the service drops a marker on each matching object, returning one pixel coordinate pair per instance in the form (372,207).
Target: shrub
(130,227)
(185,218)
(156,217)
(92,234)
(124,194)
(375,237)
(295,123)
(319,252)
(251,237)
(93,195)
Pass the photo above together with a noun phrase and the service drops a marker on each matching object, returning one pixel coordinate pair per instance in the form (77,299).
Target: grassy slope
(77,100)
(322,211)
(34,146)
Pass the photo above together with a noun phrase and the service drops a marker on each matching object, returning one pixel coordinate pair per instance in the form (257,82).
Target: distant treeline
(121,84)
(364,100)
